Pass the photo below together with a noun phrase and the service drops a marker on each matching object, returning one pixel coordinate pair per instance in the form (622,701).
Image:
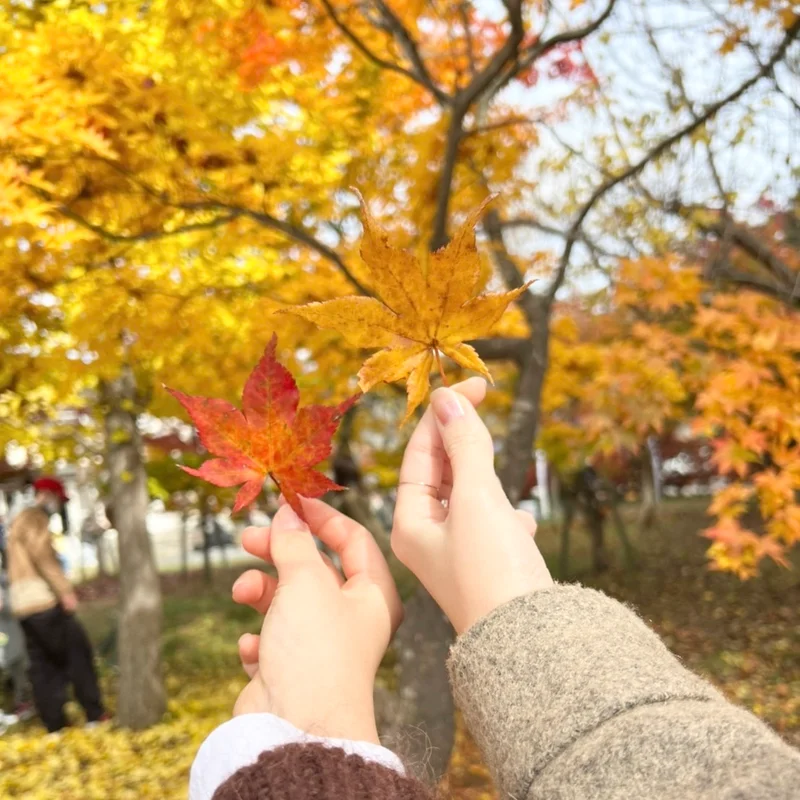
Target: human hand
(323,635)
(69,602)
(478,552)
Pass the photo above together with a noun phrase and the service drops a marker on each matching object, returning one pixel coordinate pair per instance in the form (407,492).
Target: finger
(248,653)
(292,546)
(255,589)
(424,464)
(528,520)
(355,546)
(446,485)
(309,511)
(256,542)
(333,569)
(353,543)
(466,440)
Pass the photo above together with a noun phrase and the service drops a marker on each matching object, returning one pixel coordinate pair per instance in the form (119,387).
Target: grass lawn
(745,637)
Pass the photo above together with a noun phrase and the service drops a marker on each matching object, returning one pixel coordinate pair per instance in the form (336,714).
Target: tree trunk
(204,524)
(628,553)
(99,544)
(184,544)
(523,421)
(418,720)
(650,489)
(142,700)
(594,518)
(224,554)
(563,558)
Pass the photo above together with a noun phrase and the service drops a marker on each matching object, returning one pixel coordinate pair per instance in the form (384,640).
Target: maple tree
(268,436)
(662,356)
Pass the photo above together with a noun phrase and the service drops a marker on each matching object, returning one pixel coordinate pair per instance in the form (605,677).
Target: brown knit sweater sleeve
(570,696)
(316,772)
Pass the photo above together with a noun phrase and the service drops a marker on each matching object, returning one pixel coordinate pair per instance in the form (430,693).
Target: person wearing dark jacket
(44,602)
(568,693)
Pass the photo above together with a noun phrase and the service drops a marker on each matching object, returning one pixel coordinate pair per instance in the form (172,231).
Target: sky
(754,142)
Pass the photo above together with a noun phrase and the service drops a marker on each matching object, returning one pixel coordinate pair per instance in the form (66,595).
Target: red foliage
(270,435)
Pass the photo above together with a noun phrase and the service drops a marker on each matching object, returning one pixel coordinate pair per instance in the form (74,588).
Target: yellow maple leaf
(422,308)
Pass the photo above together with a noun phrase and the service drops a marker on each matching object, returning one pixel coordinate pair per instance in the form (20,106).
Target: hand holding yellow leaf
(421,309)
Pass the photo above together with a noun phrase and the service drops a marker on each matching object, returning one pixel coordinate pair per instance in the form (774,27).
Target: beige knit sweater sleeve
(571,696)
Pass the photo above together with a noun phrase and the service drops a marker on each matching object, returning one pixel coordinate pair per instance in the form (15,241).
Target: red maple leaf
(270,435)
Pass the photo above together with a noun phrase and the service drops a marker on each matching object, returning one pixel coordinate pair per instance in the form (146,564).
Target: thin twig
(420,78)
(634,169)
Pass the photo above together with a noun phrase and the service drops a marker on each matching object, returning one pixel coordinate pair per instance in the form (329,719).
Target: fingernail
(236,583)
(290,520)
(446,406)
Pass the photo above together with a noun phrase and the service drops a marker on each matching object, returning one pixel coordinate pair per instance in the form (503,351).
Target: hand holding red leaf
(268,436)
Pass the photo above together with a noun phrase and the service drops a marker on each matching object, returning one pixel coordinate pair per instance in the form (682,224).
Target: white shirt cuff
(240,741)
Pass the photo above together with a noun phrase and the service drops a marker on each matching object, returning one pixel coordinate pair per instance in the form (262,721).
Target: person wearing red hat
(43,600)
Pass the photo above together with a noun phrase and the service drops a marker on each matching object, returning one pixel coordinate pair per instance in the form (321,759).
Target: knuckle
(398,543)
(398,615)
(469,439)
(288,548)
(402,544)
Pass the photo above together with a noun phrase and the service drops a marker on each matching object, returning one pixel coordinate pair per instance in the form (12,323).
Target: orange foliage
(664,354)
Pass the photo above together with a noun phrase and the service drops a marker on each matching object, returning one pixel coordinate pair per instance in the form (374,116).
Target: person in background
(13,660)
(569,695)
(44,602)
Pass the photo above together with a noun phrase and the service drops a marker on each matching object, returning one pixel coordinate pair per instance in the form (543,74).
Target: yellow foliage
(109,762)
(203,679)
(423,307)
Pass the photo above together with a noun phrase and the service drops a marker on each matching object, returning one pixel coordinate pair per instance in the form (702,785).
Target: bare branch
(229,213)
(544,46)
(513,278)
(583,237)
(462,10)
(508,52)
(786,94)
(501,349)
(785,278)
(290,231)
(146,236)
(407,44)
(503,123)
(758,284)
(422,78)
(664,145)
(461,105)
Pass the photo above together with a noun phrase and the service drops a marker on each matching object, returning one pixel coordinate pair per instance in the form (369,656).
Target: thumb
(291,543)
(466,439)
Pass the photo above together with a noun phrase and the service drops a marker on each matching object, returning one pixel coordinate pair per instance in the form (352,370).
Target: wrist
(490,602)
(354,721)
(348,719)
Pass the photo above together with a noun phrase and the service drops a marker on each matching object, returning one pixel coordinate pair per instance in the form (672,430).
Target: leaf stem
(275,481)
(439,365)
